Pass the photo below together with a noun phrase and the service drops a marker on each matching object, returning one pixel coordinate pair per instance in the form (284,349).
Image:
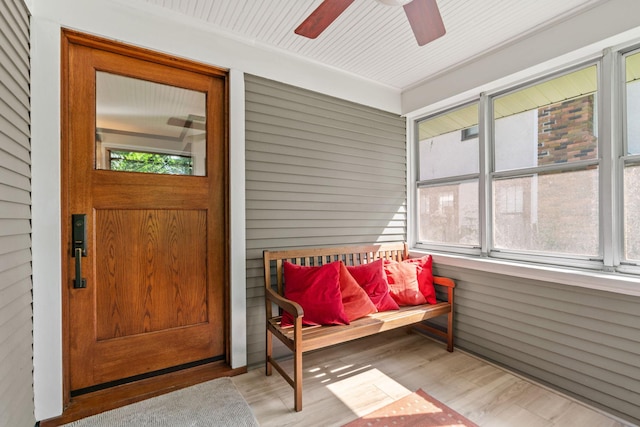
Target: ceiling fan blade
(322,17)
(425,20)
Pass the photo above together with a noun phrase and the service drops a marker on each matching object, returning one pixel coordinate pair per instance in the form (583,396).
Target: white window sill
(610,282)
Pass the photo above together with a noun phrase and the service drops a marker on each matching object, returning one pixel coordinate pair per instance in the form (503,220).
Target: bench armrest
(448,284)
(444,281)
(287,305)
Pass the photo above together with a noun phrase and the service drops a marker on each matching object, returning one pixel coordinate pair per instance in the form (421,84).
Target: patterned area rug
(211,404)
(416,409)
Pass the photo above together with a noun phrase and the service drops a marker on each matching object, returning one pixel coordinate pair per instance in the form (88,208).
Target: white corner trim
(238,291)
(46,221)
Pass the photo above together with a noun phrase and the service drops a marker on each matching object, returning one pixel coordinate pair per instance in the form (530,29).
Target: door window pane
(142,126)
(548,213)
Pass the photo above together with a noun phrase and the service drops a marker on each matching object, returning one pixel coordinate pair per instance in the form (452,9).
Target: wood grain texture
(157,264)
(145,282)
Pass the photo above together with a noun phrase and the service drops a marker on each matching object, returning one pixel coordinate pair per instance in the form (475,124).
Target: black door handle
(79,227)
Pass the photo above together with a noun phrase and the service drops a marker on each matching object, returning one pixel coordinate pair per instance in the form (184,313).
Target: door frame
(81,406)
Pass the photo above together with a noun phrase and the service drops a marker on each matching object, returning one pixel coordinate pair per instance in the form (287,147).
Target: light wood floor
(350,380)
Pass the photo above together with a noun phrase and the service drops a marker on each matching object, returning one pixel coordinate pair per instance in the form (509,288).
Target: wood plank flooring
(347,381)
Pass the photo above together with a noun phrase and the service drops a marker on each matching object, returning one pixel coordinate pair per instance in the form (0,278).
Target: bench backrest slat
(350,255)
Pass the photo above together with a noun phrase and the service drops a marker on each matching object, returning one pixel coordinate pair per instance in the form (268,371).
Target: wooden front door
(145,212)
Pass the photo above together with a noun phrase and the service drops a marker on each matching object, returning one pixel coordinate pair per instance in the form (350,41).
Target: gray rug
(213,403)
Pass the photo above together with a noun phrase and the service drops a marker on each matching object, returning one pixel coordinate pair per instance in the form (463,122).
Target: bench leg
(269,352)
(450,320)
(450,331)
(297,379)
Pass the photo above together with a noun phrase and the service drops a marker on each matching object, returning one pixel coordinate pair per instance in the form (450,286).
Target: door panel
(156,263)
(146,247)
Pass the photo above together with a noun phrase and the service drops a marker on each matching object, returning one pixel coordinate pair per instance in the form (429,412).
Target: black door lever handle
(79,282)
(79,227)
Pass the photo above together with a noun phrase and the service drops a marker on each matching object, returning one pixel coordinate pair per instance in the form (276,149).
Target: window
(448,183)
(631,160)
(545,178)
(528,186)
(470,133)
(149,127)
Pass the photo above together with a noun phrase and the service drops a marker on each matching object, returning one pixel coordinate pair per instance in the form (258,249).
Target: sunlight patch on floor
(375,389)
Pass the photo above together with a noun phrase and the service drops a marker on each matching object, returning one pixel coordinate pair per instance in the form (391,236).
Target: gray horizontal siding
(16,342)
(583,342)
(320,171)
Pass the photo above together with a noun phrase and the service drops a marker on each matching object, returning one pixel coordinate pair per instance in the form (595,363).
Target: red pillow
(317,290)
(356,302)
(371,277)
(425,277)
(403,283)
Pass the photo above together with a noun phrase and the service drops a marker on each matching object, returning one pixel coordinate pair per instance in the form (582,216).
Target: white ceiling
(374,41)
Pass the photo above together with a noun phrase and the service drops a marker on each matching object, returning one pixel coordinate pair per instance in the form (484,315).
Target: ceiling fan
(423,15)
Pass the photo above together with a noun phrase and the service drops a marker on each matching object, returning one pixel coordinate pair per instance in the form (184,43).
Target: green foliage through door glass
(131,161)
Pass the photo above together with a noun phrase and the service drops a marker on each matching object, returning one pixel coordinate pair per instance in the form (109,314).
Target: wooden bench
(300,339)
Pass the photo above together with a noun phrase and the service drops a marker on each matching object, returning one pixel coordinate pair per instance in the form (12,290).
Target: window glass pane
(551,122)
(550,213)
(142,126)
(633,103)
(448,144)
(632,212)
(449,214)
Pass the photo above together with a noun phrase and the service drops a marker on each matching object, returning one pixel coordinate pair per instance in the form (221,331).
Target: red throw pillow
(425,276)
(356,302)
(371,277)
(403,283)
(317,290)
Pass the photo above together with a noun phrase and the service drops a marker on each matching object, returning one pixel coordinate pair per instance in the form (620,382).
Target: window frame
(610,110)
(414,134)
(622,159)
(493,175)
